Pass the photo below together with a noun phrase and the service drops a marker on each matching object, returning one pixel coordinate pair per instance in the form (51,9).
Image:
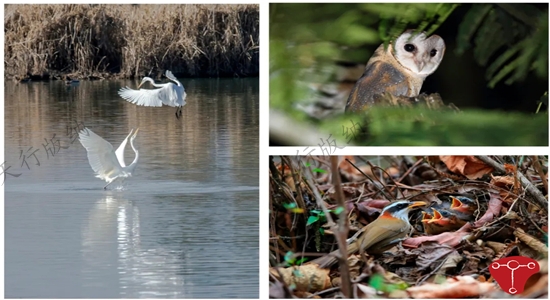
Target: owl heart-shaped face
(419,54)
(398,70)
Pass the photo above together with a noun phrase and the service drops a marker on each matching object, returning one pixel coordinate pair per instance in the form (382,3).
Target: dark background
(459,79)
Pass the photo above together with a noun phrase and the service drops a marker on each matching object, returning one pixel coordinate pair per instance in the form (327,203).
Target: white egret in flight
(107,163)
(169,93)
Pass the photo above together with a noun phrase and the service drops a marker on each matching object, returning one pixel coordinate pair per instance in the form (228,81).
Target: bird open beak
(417,203)
(426,217)
(455,203)
(465,207)
(437,215)
(439,219)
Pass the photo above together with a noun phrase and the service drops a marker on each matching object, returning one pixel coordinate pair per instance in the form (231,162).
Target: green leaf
(290,205)
(501,60)
(339,210)
(398,126)
(301,261)
(509,68)
(472,20)
(440,279)
(521,11)
(317,170)
(297,210)
(311,220)
(377,282)
(437,15)
(289,259)
(322,231)
(489,38)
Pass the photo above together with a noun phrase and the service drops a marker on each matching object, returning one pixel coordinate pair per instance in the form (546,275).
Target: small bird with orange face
(388,229)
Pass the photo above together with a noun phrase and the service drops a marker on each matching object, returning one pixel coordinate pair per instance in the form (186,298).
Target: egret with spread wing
(108,164)
(169,93)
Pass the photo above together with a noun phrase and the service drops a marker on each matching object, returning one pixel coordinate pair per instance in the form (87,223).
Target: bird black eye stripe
(409,48)
(402,205)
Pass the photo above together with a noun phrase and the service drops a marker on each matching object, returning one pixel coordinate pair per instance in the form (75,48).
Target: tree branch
(527,185)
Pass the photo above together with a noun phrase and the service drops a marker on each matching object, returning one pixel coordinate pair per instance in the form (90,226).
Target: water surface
(184,226)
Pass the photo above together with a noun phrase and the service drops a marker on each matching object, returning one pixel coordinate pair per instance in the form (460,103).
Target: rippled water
(185,225)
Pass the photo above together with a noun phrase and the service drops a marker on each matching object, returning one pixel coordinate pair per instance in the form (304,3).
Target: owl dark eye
(410,47)
(433,52)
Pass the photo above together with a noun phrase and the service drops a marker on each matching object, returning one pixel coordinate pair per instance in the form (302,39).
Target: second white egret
(169,94)
(108,164)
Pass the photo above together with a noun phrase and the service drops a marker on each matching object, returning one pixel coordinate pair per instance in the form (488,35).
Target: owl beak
(421,64)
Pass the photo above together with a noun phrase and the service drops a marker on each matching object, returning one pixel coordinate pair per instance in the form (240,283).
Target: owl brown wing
(379,77)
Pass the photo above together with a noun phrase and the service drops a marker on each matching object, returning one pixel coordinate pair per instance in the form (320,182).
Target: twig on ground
(527,185)
(343,228)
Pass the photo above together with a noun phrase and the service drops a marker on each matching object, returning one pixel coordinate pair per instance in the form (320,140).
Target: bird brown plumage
(389,228)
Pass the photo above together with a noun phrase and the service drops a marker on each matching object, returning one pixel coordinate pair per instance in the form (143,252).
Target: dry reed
(104,40)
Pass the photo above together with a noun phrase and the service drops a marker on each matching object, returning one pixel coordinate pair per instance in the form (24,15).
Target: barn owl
(399,70)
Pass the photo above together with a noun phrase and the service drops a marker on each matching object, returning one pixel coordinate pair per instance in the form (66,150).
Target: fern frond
(521,27)
(473,19)
(501,60)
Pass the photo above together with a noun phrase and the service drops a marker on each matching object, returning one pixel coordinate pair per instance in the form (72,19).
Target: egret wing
(144,97)
(178,96)
(120,150)
(101,156)
(181,95)
(171,76)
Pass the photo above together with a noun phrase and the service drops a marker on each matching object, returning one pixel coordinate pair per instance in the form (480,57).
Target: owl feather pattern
(398,70)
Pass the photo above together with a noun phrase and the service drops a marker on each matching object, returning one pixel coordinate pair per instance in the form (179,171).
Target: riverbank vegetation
(126,41)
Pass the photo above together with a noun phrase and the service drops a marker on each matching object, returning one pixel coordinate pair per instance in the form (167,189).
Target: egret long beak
(135,132)
(139,86)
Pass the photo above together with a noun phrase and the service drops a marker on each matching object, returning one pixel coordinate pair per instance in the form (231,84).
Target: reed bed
(132,40)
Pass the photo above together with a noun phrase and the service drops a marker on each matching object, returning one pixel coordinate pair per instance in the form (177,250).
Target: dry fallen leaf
(457,287)
(506,183)
(351,173)
(450,238)
(493,210)
(496,246)
(308,278)
(531,241)
(469,166)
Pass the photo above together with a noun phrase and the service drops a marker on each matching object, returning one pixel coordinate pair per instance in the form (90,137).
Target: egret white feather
(171,94)
(108,164)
